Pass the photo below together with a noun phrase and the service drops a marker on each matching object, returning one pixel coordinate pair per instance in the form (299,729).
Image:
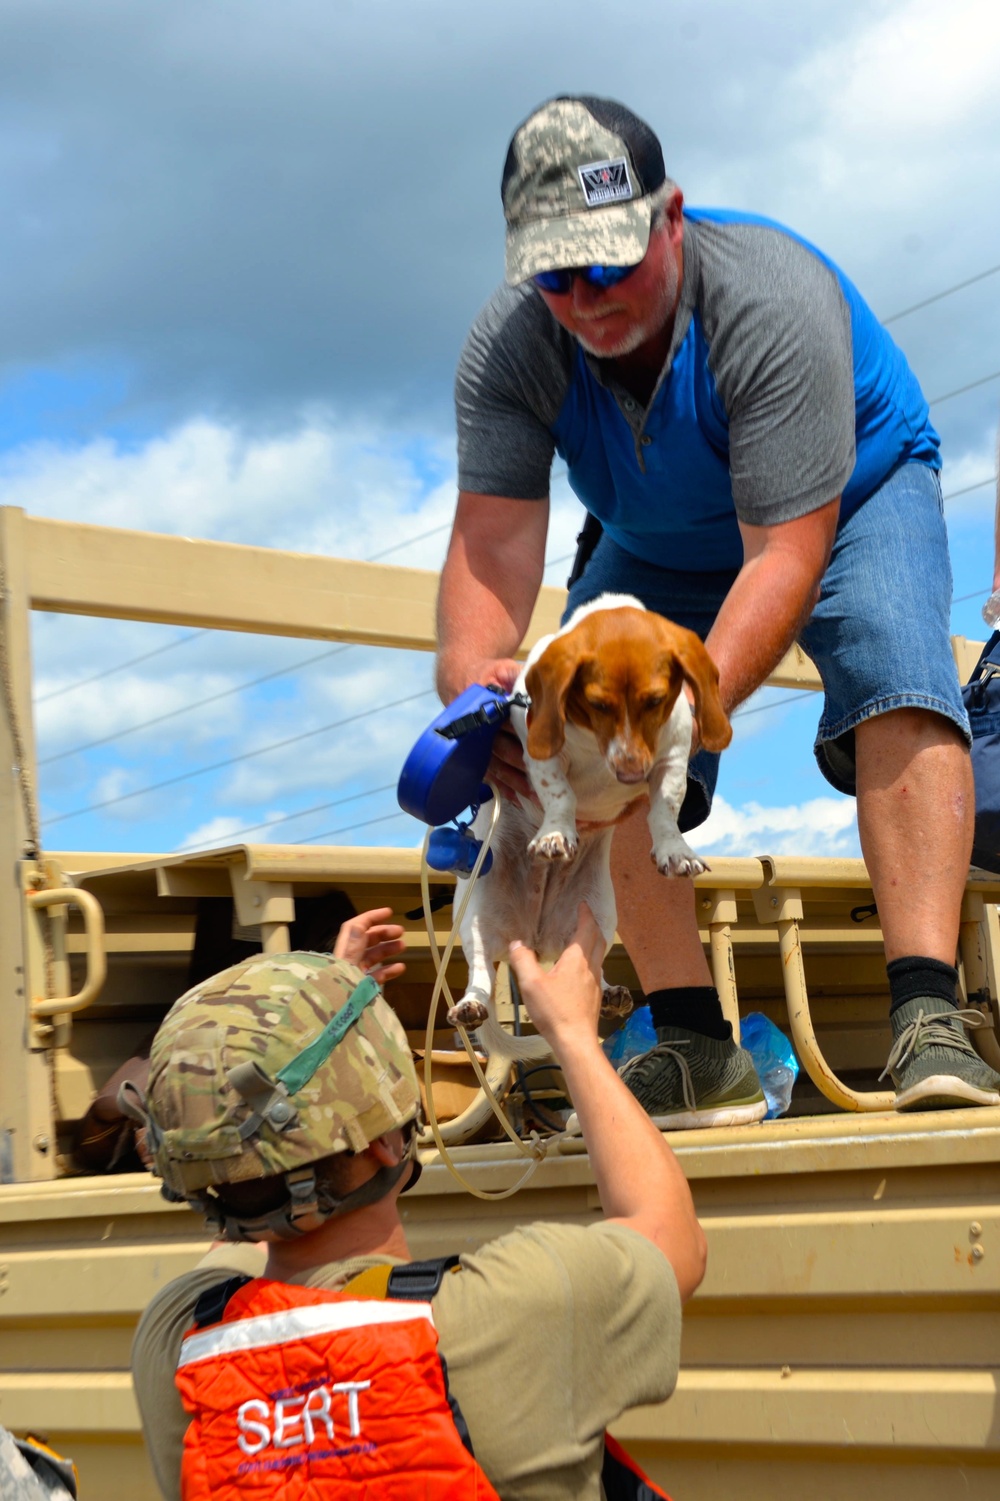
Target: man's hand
(455,674)
(566,1002)
(506,770)
(368,940)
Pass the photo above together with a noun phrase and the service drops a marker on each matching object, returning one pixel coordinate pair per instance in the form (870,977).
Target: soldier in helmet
(283,1103)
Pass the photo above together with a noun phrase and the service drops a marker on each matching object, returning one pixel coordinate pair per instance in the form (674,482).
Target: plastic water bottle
(991,610)
(774,1059)
(636,1035)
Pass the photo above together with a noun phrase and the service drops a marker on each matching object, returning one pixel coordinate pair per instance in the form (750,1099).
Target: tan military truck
(846,1341)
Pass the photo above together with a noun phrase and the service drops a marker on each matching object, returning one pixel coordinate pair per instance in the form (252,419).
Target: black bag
(586,541)
(981,696)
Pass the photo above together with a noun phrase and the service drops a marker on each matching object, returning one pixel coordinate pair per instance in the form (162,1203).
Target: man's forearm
(763,612)
(771,599)
(489,584)
(473,625)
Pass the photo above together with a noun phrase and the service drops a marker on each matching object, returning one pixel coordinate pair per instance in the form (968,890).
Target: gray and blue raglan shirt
(781,391)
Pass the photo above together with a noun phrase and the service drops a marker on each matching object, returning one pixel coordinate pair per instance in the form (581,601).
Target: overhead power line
(968,489)
(132,662)
(776,703)
(410,542)
(200,703)
(983,380)
(334,833)
(272,823)
(261,750)
(926,302)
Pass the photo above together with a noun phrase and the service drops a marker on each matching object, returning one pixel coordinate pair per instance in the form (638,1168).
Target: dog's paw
(466,1013)
(556,845)
(616,1000)
(678,860)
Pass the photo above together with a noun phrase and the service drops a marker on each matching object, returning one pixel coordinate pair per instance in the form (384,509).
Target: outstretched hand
(368,940)
(566,1002)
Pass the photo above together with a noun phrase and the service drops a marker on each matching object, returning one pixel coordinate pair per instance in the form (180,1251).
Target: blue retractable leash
(443,774)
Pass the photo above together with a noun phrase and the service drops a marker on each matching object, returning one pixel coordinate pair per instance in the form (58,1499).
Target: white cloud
(210,479)
(220,831)
(325,486)
(915,73)
(821,826)
(110,708)
(322,487)
(894,116)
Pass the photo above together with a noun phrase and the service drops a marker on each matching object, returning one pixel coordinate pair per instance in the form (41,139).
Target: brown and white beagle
(608,723)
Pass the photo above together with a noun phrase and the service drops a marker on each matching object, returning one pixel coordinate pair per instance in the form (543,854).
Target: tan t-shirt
(549,1333)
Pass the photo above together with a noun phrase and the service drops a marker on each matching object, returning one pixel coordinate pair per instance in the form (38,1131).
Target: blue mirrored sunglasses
(595,276)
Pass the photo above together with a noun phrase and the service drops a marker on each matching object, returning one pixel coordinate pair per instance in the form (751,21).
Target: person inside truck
(105,1139)
(283,1103)
(759,465)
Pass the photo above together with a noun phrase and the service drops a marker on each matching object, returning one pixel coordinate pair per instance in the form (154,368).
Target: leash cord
(537,1149)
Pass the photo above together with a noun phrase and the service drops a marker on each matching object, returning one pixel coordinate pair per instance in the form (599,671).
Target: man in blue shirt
(759,465)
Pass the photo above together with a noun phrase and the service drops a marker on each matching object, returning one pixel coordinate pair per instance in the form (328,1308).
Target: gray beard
(627,344)
(640,332)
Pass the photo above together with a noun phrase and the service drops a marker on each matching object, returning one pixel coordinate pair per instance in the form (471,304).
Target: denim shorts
(879,634)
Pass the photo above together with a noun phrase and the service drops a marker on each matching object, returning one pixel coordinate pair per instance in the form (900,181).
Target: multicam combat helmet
(266,1068)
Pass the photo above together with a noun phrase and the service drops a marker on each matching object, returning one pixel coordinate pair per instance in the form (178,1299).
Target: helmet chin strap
(310,1203)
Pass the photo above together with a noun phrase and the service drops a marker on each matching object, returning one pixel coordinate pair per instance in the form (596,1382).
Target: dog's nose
(630,774)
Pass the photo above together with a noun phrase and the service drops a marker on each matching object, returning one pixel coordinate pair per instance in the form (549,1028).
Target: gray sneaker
(932,1063)
(688,1080)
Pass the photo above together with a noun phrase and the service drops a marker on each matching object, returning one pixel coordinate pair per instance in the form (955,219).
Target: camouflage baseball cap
(273,1064)
(576,187)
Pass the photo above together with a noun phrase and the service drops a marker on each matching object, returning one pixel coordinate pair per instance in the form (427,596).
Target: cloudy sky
(242,244)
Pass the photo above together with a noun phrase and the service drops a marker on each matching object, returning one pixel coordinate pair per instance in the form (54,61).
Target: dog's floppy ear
(703,675)
(548,682)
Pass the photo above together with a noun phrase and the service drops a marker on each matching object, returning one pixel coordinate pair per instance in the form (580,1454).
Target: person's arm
(489,584)
(369,940)
(104,1134)
(638,1177)
(770,600)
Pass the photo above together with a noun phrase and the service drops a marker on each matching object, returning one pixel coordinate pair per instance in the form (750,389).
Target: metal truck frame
(845,1341)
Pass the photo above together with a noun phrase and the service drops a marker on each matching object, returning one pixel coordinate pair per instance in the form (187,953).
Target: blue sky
(242,246)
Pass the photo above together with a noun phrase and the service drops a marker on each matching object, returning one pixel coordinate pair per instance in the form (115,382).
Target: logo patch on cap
(605,182)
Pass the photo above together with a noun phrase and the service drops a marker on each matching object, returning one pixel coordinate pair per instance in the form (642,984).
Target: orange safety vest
(297,1392)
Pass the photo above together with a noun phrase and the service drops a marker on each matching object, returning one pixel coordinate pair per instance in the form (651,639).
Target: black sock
(695,1008)
(915,976)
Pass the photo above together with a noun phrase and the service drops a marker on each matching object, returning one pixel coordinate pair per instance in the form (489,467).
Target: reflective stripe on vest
(298,1392)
